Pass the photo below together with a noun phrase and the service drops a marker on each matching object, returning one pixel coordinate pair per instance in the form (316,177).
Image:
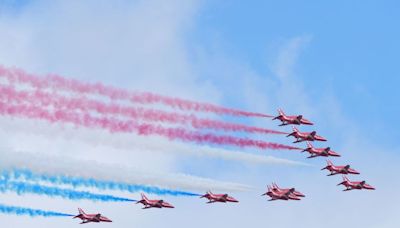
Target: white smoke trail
(62,165)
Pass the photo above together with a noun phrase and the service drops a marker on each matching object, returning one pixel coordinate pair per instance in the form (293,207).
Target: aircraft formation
(274,192)
(320,152)
(82,109)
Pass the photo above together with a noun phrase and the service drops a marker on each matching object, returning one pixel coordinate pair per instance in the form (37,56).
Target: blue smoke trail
(31,212)
(89,182)
(22,188)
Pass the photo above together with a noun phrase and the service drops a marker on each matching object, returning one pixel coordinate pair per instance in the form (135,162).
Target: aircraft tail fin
(309,146)
(81,211)
(328,164)
(280,114)
(144,197)
(295,130)
(205,195)
(344,180)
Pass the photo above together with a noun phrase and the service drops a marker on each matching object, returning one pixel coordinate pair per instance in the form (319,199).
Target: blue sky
(335,62)
(352,53)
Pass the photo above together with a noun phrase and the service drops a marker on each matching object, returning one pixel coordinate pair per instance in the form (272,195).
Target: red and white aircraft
(350,185)
(305,136)
(86,218)
(222,198)
(286,120)
(339,169)
(153,203)
(276,188)
(319,152)
(276,195)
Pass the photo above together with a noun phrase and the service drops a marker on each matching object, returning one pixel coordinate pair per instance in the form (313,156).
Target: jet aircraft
(336,169)
(276,188)
(86,218)
(286,120)
(221,198)
(319,152)
(153,203)
(280,195)
(305,136)
(350,185)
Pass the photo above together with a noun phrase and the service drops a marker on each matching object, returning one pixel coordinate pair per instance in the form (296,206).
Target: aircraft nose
(369,187)
(307,122)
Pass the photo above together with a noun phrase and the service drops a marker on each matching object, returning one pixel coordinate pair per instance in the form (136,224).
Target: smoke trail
(55,81)
(114,125)
(65,166)
(59,102)
(28,211)
(92,183)
(122,143)
(23,188)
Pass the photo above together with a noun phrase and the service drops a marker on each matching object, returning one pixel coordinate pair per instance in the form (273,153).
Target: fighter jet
(275,195)
(153,203)
(86,218)
(276,188)
(221,198)
(286,120)
(319,152)
(350,185)
(339,169)
(305,136)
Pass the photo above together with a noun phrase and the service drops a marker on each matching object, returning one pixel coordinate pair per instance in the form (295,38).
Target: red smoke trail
(59,82)
(84,104)
(113,125)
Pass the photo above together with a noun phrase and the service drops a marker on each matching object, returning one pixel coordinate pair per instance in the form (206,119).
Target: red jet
(336,169)
(276,188)
(222,198)
(280,195)
(153,203)
(86,218)
(305,136)
(350,185)
(319,152)
(286,120)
